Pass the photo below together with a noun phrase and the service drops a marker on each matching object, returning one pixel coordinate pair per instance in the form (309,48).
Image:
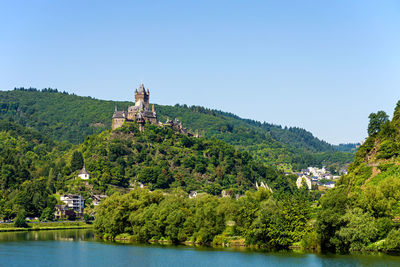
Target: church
(140,112)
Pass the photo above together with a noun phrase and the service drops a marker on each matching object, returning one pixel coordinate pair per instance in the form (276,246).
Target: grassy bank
(45,226)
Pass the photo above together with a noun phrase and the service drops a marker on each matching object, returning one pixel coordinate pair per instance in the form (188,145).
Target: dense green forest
(161,158)
(258,218)
(33,167)
(65,117)
(363,211)
(24,167)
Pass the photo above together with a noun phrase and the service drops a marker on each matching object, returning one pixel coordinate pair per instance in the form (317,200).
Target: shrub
(20,220)
(392,242)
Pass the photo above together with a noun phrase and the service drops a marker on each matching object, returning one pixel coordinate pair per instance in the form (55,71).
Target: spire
(141,89)
(153,109)
(116,108)
(83,171)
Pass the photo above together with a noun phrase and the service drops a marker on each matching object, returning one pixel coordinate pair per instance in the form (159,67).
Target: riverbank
(41,226)
(233,242)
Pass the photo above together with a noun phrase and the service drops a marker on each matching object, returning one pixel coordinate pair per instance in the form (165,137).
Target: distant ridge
(62,116)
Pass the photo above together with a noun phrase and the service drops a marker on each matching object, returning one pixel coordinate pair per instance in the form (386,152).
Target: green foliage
(161,158)
(333,207)
(376,120)
(25,159)
(62,116)
(145,215)
(392,242)
(279,223)
(358,230)
(76,161)
(388,149)
(359,214)
(20,220)
(47,214)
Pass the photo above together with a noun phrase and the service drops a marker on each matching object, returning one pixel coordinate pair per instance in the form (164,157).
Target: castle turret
(142,96)
(140,112)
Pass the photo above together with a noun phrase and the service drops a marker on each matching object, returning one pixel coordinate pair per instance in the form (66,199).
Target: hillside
(33,167)
(69,117)
(363,211)
(161,158)
(25,158)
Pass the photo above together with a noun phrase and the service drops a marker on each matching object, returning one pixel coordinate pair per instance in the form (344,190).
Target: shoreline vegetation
(41,226)
(258,219)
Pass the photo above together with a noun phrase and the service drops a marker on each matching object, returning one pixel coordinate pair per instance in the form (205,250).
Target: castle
(141,113)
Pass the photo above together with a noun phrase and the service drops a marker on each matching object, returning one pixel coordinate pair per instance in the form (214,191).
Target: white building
(84,175)
(75,202)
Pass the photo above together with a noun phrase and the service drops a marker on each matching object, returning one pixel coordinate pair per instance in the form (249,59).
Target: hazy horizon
(319,66)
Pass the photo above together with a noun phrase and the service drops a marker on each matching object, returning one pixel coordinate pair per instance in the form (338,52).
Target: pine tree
(76,161)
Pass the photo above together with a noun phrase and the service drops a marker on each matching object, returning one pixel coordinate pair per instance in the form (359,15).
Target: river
(81,248)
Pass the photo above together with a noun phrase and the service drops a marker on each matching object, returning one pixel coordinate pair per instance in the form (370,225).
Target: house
(192,194)
(62,211)
(84,175)
(97,198)
(329,184)
(74,202)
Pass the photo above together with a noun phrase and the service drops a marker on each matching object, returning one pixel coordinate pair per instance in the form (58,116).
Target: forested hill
(363,211)
(161,158)
(63,116)
(25,157)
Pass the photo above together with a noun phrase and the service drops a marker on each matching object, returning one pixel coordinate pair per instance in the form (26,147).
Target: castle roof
(119,115)
(141,89)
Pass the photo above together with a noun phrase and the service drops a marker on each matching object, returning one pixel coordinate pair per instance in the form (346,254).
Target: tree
(76,161)
(47,214)
(20,220)
(376,120)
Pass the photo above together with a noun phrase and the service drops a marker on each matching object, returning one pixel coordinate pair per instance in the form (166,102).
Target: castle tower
(142,96)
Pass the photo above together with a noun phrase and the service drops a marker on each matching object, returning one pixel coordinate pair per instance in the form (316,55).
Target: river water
(80,248)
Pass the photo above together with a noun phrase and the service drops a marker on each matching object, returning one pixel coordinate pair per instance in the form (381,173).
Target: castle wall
(131,115)
(117,122)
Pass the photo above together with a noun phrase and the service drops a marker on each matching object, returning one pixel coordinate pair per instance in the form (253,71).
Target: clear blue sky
(320,65)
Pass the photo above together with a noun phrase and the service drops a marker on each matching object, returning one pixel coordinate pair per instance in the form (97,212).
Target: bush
(20,220)
(392,242)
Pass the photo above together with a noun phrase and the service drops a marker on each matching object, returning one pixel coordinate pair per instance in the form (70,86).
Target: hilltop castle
(140,112)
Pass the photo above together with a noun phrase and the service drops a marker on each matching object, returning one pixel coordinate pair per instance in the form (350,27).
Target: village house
(74,202)
(62,211)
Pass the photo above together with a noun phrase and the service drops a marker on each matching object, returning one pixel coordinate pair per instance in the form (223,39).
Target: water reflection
(49,248)
(59,235)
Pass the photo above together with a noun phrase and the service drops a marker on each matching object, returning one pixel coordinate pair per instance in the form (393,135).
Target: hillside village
(316,178)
